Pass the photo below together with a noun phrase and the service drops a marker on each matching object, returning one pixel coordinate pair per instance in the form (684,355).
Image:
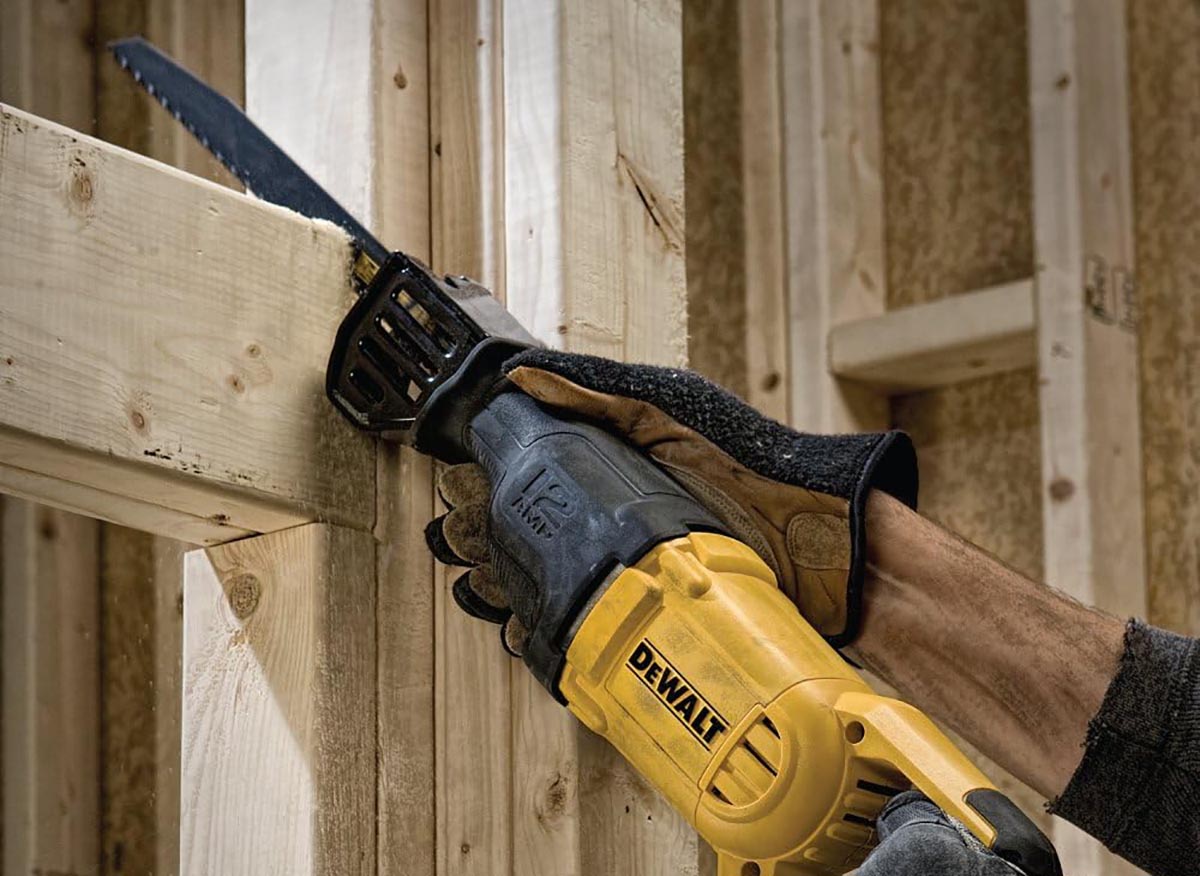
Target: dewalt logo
(676,693)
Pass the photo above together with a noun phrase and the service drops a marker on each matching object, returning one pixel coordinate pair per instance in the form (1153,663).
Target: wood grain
(168,700)
(951,340)
(405,596)
(279,705)
(718,285)
(129,693)
(1087,313)
(51,816)
(834,191)
(46,60)
(163,358)
(766,333)
(51,746)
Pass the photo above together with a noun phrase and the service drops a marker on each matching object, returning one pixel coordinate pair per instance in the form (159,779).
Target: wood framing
(473,695)
(163,341)
(1092,510)
(947,341)
(359,122)
(153,353)
(834,192)
(768,349)
(51,749)
(279,692)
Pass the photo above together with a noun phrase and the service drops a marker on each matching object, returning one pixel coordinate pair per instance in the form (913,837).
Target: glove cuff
(890,466)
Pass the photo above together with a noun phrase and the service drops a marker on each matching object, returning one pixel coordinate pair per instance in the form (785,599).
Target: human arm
(1015,667)
(1101,717)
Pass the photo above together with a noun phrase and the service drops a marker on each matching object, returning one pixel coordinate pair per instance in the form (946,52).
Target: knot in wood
(81,187)
(243,592)
(1061,489)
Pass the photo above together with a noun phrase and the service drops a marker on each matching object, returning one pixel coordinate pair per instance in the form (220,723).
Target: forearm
(1015,667)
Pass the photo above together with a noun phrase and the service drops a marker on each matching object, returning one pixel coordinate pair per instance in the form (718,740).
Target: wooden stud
(368,143)
(832,167)
(167,652)
(595,263)
(546,761)
(50,764)
(46,62)
(130,694)
(51,747)
(473,694)
(763,179)
(405,605)
(279,705)
(947,341)
(1092,508)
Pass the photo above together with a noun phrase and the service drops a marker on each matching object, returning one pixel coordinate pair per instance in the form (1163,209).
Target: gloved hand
(917,839)
(798,500)
(460,538)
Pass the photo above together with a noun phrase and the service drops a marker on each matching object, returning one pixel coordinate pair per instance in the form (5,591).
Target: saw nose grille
(399,342)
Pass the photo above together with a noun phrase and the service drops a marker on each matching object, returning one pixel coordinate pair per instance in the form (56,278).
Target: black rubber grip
(570,504)
(1018,839)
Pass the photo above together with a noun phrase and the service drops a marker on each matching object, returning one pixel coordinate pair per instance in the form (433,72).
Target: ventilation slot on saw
(750,768)
(389,368)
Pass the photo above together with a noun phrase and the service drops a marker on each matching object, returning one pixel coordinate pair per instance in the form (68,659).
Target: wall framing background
(455,105)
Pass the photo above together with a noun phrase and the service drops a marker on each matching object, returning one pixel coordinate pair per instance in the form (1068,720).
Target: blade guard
(410,364)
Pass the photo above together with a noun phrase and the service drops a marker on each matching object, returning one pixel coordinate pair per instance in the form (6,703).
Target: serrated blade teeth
(235,141)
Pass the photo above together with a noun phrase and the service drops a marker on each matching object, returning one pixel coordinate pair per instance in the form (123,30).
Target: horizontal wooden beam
(958,338)
(162,346)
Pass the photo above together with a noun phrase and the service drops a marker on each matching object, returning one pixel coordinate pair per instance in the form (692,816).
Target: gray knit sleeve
(1137,788)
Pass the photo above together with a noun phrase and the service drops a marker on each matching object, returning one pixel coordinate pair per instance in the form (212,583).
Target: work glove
(460,538)
(798,500)
(917,839)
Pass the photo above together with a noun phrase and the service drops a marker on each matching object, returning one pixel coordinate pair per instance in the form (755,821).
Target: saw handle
(898,734)
(571,504)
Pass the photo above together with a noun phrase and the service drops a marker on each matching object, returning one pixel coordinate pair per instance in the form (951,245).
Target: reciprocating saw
(654,626)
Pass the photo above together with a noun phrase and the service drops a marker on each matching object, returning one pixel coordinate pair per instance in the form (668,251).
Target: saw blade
(239,144)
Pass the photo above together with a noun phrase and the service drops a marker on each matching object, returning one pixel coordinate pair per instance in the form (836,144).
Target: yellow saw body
(706,678)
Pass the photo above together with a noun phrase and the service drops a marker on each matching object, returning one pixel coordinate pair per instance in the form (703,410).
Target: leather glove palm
(798,500)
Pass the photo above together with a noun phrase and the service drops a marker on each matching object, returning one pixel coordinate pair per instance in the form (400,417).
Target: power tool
(656,628)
